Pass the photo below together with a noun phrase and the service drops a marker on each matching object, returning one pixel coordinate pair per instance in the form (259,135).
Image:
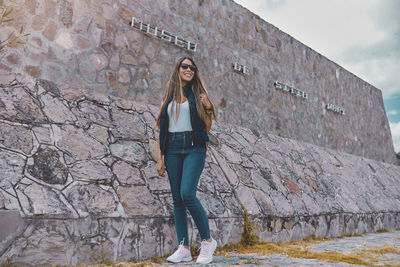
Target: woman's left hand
(204,100)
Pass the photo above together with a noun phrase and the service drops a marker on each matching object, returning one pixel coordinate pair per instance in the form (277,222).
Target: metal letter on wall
(162,34)
(240,68)
(335,108)
(290,89)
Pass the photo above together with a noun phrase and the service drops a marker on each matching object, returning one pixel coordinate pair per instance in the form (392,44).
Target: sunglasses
(185,66)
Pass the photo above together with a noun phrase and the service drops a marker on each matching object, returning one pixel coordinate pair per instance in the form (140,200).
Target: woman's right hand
(161,168)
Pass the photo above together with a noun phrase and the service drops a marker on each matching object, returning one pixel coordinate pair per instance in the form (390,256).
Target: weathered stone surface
(213,206)
(121,102)
(92,170)
(55,109)
(92,199)
(292,186)
(129,151)
(48,167)
(99,61)
(229,173)
(78,144)
(83,43)
(123,75)
(99,133)
(230,155)
(11,169)
(129,60)
(42,134)
(156,182)
(46,202)
(47,86)
(64,40)
(128,126)
(95,113)
(111,79)
(88,70)
(52,237)
(13,59)
(65,13)
(50,31)
(126,14)
(133,199)
(127,174)
(114,62)
(126,231)
(102,168)
(34,71)
(16,137)
(17,105)
(154,149)
(158,231)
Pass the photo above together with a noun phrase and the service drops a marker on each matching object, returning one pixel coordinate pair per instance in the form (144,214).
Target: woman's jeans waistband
(182,142)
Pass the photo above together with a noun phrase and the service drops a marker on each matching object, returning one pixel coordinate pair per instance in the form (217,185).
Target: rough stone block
(78,143)
(99,61)
(55,109)
(47,203)
(92,170)
(126,14)
(91,199)
(134,199)
(50,31)
(127,174)
(129,60)
(128,126)
(48,167)
(34,71)
(16,137)
(64,40)
(130,151)
(11,167)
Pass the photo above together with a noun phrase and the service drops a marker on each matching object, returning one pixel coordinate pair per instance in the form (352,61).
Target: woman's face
(186,74)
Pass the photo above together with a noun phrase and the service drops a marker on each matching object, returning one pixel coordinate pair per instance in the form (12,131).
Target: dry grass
(13,39)
(6,263)
(388,248)
(300,249)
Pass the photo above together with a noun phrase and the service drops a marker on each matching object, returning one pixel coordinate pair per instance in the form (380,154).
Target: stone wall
(89,44)
(78,181)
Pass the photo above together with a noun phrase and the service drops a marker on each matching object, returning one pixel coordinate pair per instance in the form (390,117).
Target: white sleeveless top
(183,123)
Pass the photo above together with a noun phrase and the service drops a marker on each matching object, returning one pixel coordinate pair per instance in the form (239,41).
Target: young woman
(185,118)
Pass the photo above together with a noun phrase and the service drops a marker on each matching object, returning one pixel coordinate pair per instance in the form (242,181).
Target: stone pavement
(345,245)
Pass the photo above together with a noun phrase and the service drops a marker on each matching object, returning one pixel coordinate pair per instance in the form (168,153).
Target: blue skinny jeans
(184,163)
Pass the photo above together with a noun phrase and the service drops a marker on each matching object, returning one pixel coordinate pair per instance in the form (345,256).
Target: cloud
(395,129)
(379,62)
(393,112)
(364,38)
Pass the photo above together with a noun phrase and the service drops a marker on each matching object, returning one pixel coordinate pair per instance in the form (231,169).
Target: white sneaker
(181,254)
(206,251)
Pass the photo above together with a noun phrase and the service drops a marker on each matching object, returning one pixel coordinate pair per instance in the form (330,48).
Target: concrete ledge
(11,225)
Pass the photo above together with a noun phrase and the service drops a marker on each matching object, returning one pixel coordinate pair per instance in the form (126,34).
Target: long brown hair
(174,92)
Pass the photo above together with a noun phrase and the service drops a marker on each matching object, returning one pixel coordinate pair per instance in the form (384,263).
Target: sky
(362,36)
